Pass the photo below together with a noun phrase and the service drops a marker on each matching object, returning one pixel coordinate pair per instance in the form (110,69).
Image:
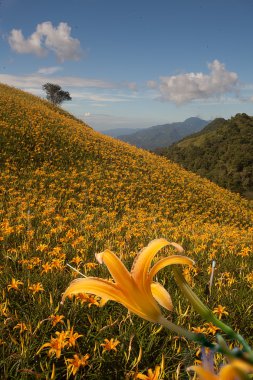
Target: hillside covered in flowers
(68,192)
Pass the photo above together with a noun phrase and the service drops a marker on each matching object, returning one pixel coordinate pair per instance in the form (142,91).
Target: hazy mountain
(222,152)
(119,131)
(164,135)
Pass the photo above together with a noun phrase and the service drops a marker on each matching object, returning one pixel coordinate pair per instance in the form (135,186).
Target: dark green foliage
(222,152)
(55,94)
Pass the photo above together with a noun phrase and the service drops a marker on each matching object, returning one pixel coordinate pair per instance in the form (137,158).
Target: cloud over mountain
(186,87)
(47,38)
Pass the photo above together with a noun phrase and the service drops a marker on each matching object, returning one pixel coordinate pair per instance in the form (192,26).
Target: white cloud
(49,70)
(97,91)
(186,87)
(47,38)
(22,46)
(105,97)
(37,80)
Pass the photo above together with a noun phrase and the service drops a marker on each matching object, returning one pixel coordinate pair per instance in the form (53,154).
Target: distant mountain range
(119,131)
(221,152)
(162,135)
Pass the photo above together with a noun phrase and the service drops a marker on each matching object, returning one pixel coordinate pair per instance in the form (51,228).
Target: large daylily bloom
(136,290)
(236,370)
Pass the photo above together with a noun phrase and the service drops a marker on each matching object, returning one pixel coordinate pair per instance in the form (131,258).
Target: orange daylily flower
(220,311)
(211,328)
(151,375)
(55,346)
(56,319)
(35,288)
(110,344)
(14,284)
(72,337)
(136,289)
(77,362)
(236,370)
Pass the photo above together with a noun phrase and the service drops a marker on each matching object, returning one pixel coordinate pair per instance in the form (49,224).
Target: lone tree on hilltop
(55,94)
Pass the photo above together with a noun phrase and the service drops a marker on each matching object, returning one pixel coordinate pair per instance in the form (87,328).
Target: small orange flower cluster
(63,339)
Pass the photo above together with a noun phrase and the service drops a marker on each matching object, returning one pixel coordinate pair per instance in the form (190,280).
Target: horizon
(132,64)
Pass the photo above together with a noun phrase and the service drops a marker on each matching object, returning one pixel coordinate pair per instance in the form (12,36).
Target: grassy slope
(68,189)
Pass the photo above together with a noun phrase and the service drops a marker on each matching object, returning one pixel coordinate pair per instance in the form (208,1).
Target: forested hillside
(221,152)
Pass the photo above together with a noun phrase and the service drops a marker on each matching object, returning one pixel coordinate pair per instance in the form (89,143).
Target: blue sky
(132,63)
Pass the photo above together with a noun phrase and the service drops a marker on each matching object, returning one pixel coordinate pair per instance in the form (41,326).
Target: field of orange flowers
(68,192)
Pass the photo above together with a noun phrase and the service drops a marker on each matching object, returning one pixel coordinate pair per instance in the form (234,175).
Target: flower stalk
(207,314)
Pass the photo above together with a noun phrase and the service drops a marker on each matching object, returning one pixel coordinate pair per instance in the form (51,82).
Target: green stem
(198,338)
(205,312)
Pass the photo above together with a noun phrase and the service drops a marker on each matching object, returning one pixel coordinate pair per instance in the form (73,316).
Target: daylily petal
(230,373)
(203,373)
(117,269)
(174,259)
(143,260)
(110,291)
(140,304)
(236,369)
(178,247)
(161,295)
(93,285)
(246,367)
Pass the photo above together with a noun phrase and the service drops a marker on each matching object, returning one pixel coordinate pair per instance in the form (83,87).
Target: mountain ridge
(165,134)
(115,132)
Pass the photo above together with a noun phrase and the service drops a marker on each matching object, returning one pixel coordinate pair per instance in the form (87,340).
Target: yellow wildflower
(35,288)
(56,319)
(46,268)
(72,337)
(110,344)
(14,284)
(135,290)
(91,265)
(211,328)
(56,345)
(83,297)
(42,247)
(220,311)
(76,260)
(236,370)
(199,330)
(77,362)
(249,279)
(151,375)
(92,301)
